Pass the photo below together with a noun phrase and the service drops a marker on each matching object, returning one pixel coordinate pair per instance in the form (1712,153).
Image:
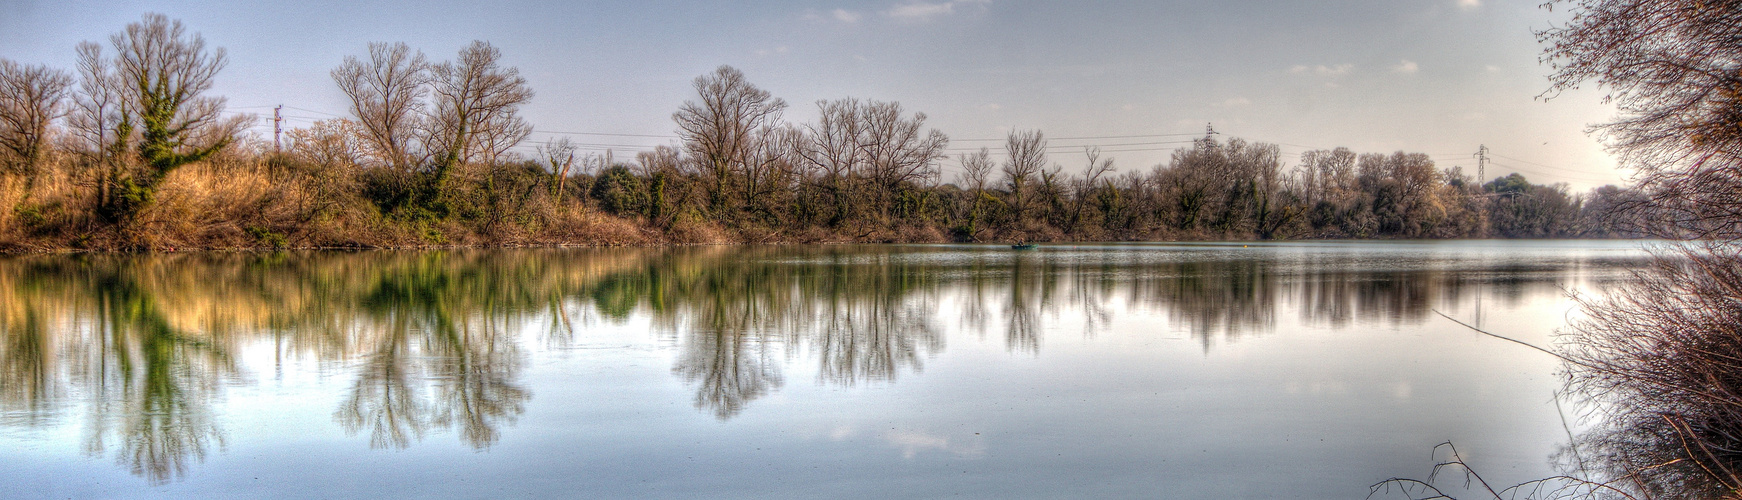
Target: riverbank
(254,200)
(581,231)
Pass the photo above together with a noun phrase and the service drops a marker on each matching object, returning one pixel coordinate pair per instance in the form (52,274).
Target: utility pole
(277,128)
(1481,164)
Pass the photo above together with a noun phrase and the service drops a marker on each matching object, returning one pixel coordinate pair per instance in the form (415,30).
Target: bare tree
(831,153)
(1327,175)
(475,99)
(166,71)
(31,99)
(661,160)
(976,172)
(721,129)
(977,169)
(158,79)
(96,107)
(1660,353)
(387,95)
(1192,180)
(497,139)
(327,154)
(1027,157)
(662,167)
(329,144)
(771,166)
(559,156)
(896,151)
(1674,70)
(1088,186)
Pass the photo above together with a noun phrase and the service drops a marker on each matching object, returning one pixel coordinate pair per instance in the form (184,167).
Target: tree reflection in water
(439,349)
(89,326)
(862,316)
(142,346)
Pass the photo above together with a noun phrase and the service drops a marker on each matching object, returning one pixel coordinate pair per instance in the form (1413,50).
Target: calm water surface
(1297,370)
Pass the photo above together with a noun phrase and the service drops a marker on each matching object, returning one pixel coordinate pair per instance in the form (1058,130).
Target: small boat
(1024,246)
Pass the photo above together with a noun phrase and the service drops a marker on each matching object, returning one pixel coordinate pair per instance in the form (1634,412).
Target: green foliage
(1511,184)
(399,194)
(161,73)
(620,192)
(30,215)
(268,237)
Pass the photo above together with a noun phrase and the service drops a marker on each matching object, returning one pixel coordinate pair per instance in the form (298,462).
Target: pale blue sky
(1432,76)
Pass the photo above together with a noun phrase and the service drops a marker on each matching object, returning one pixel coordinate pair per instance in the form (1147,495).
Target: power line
(1538,164)
(1584,177)
(538,131)
(1085,137)
(1078,146)
(315,112)
(603,145)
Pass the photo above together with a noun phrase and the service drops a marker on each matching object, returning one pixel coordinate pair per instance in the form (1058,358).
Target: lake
(1210,370)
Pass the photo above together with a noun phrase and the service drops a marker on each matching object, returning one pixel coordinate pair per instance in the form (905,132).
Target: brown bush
(1661,359)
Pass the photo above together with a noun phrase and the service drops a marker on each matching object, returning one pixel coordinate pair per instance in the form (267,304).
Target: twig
(1515,341)
(1572,442)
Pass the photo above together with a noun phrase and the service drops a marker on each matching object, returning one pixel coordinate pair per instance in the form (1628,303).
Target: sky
(1440,77)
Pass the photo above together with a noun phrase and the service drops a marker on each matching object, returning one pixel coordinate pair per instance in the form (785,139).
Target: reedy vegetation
(426,159)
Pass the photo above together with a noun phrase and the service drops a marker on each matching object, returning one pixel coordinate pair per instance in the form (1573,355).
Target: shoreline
(9,251)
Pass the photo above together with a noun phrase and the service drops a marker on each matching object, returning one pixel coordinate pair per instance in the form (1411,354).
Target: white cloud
(777,50)
(1406,67)
(846,16)
(1492,68)
(921,11)
(991,106)
(1322,70)
(1469,4)
(912,443)
(841,433)
(1236,102)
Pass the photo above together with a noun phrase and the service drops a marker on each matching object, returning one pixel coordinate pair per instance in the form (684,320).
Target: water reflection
(435,337)
(142,347)
(91,327)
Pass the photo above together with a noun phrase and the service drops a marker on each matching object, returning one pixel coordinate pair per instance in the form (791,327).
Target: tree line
(131,151)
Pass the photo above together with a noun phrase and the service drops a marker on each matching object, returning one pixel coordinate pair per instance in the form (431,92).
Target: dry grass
(250,199)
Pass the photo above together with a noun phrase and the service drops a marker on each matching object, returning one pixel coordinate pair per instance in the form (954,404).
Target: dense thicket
(138,155)
(1660,355)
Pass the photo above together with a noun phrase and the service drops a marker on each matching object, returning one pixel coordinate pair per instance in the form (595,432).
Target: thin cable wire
(1528,162)
(543,131)
(1085,137)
